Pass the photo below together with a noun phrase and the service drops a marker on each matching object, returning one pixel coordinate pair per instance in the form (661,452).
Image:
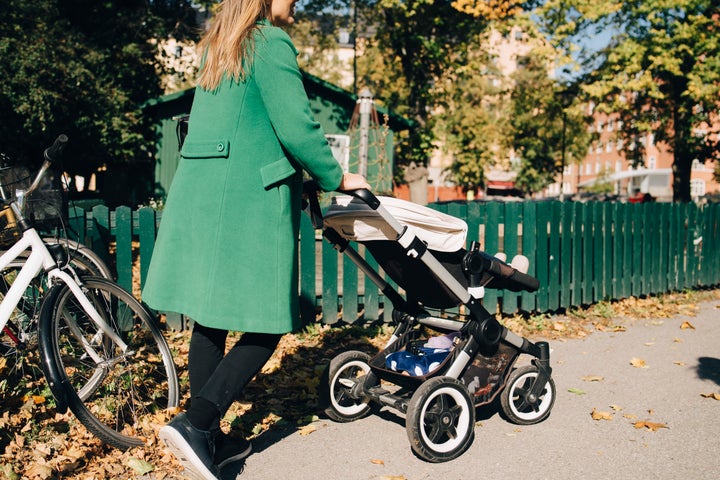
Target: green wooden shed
(335,108)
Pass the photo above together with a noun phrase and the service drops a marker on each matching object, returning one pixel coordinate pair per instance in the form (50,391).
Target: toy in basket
(468,359)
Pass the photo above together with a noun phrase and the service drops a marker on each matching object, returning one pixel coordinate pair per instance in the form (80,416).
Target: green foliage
(549,128)
(408,47)
(660,72)
(474,117)
(84,68)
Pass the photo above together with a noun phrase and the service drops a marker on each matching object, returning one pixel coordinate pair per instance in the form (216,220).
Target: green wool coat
(226,251)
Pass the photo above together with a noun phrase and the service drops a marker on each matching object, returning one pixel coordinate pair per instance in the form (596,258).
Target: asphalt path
(655,372)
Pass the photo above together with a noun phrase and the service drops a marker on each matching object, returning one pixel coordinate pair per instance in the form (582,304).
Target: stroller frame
(440,405)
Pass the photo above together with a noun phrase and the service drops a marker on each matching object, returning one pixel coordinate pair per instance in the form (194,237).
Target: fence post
(123,247)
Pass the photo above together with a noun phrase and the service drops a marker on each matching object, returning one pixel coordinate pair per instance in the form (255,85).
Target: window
(652,162)
(588,169)
(608,147)
(611,125)
(697,188)
(597,167)
(696,165)
(618,165)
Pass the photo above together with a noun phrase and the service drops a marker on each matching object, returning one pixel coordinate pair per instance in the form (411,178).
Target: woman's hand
(353,181)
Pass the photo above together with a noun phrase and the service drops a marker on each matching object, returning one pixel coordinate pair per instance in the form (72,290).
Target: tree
(474,119)
(660,73)
(418,43)
(84,68)
(548,126)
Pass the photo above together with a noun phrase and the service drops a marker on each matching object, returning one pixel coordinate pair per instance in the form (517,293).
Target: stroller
(438,366)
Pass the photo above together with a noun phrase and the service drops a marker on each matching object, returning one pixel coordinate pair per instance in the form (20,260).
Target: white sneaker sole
(186,456)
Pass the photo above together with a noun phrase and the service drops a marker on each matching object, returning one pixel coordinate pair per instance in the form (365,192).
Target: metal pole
(365,100)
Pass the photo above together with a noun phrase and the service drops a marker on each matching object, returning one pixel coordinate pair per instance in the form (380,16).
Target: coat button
(220,147)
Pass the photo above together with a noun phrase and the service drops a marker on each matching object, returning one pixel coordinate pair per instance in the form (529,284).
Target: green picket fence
(581,253)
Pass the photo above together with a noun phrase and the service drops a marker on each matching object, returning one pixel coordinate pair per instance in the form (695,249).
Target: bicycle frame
(40,259)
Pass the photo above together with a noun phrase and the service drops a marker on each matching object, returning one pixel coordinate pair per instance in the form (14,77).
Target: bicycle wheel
(112,392)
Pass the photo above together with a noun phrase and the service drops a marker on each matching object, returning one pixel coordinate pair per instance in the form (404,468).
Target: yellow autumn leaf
(375,461)
(649,425)
(687,325)
(638,363)
(592,378)
(307,429)
(678,362)
(716,396)
(598,415)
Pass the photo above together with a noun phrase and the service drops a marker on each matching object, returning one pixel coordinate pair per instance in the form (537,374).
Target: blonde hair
(227,46)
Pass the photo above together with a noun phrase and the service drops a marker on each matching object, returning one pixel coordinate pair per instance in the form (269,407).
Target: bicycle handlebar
(52,155)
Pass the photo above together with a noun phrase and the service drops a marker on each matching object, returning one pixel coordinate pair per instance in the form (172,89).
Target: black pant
(220,378)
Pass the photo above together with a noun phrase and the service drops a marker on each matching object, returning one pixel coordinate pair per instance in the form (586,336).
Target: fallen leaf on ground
(576,391)
(678,362)
(592,378)
(716,396)
(377,462)
(393,477)
(649,425)
(687,325)
(140,466)
(638,363)
(307,429)
(617,408)
(598,415)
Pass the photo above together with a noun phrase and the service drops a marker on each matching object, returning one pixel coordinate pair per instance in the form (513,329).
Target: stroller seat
(444,235)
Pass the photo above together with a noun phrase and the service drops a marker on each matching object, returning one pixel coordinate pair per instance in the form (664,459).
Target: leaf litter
(37,443)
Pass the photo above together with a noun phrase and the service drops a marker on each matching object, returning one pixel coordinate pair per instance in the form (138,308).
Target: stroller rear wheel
(344,373)
(440,420)
(516,402)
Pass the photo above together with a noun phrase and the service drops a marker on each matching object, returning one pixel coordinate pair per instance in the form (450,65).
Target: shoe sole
(237,457)
(179,447)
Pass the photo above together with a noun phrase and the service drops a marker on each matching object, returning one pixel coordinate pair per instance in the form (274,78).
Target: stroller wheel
(514,400)
(345,371)
(440,420)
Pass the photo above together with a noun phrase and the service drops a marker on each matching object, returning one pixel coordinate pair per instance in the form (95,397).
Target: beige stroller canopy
(355,220)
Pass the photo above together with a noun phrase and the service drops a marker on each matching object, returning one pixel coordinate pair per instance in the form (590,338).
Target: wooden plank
(147,232)
(529,249)
(607,250)
(350,289)
(329,284)
(371,299)
(513,218)
(598,271)
(307,248)
(493,219)
(554,256)
(588,253)
(123,247)
(565,258)
(544,217)
(577,253)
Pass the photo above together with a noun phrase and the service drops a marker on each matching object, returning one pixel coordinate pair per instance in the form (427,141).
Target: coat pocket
(277,171)
(209,149)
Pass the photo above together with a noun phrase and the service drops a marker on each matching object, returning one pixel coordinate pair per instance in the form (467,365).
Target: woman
(226,253)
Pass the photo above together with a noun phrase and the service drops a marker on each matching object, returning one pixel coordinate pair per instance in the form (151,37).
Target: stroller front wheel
(517,403)
(440,420)
(343,375)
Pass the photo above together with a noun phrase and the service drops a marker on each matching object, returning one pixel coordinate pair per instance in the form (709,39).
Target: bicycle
(102,351)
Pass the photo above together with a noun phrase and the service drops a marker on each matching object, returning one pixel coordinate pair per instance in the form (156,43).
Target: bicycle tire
(108,398)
